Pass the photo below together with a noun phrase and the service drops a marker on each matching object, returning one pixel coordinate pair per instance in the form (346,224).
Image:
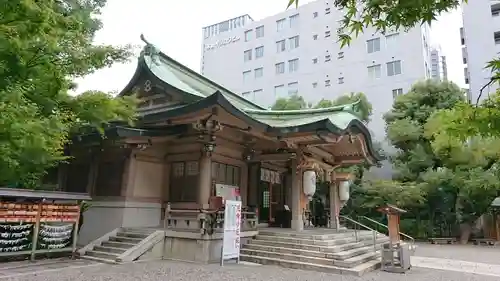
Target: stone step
(331,242)
(347,263)
(116,244)
(97,259)
(327,235)
(137,230)
(102,255)
(132,234)
(317,248)
(130,240)
(312,253)
(358,260)
(112,250)
(286,256)
(357,270)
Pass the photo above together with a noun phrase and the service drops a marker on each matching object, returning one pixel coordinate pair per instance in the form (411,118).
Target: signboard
(232,227)
(221,43)
(227,192)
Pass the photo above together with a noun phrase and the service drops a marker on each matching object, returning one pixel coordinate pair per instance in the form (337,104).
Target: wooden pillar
(297,222)
(205,180)
(334,205)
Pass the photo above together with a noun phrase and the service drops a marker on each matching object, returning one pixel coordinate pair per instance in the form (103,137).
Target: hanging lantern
(344,190)
(309,183)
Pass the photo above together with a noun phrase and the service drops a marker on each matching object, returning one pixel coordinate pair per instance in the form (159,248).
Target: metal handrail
(386,227)
(357,223)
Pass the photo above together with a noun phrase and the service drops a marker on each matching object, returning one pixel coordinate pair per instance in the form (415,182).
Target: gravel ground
(177,271)
(472,253)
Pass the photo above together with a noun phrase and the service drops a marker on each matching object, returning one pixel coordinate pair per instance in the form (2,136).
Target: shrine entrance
(271,195)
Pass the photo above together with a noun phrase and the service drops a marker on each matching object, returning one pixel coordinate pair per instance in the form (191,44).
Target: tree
(295,102)
(384,15)
(364,108)
(45,45)
(406,121)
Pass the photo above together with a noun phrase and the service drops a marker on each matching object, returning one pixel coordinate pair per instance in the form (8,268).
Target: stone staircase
(113,247)
(342,252)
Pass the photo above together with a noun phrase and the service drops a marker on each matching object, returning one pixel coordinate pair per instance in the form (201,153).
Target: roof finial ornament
(144,39)
(150,50)
(353,107)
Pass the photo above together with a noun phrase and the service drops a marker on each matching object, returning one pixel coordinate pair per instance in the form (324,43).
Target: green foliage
(295,102)
(43,46)
(406,122)
(385,15)
(364,110)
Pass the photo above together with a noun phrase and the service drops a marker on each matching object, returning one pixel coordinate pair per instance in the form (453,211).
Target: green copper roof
(340,116)
(202,92)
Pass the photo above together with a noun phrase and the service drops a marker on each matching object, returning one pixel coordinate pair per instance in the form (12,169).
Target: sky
(176,28)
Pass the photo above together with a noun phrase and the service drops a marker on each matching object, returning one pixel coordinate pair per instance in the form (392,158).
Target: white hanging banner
(270,176)
(232,225)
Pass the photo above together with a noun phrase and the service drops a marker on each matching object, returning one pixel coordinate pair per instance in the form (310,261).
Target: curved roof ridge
(152,50)
(350,107)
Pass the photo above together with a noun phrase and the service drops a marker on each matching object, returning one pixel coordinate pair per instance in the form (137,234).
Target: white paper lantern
(344,190)
(309,183)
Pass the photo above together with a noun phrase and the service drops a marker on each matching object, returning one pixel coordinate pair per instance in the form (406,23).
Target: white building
(480,37)
(296,51)
(439,68)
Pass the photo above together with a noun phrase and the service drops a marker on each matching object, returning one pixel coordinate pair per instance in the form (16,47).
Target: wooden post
(75,230)
(36,229)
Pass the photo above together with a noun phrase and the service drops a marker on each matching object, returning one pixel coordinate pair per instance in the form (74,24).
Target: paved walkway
(177,271)
(457,265)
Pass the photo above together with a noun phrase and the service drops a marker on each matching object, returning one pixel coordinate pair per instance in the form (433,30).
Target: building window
(495,10)
(397,92)
(280,68)
(184,178)
(280,46)
(315,60)
(259,31)
(327,83)
(340,55)
(394,68)
(259,52)
(327,11)
(374,71)
(259,72)
(246,75)
(226,174)
(248,35)
(327,33)
(294,42)
(328,58)
(293,88)
(373,45)
(341,80)
(315,14)
(294,21)
(247,55)
(496,37)
(293,65)
(391,40)
(315,84)
(279,92)
(280,24)
(256,92)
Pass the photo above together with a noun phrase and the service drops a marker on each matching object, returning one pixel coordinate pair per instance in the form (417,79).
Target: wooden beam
(272,157)
(270,166)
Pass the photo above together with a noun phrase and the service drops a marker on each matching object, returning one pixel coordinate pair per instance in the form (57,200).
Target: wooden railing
(206,221)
